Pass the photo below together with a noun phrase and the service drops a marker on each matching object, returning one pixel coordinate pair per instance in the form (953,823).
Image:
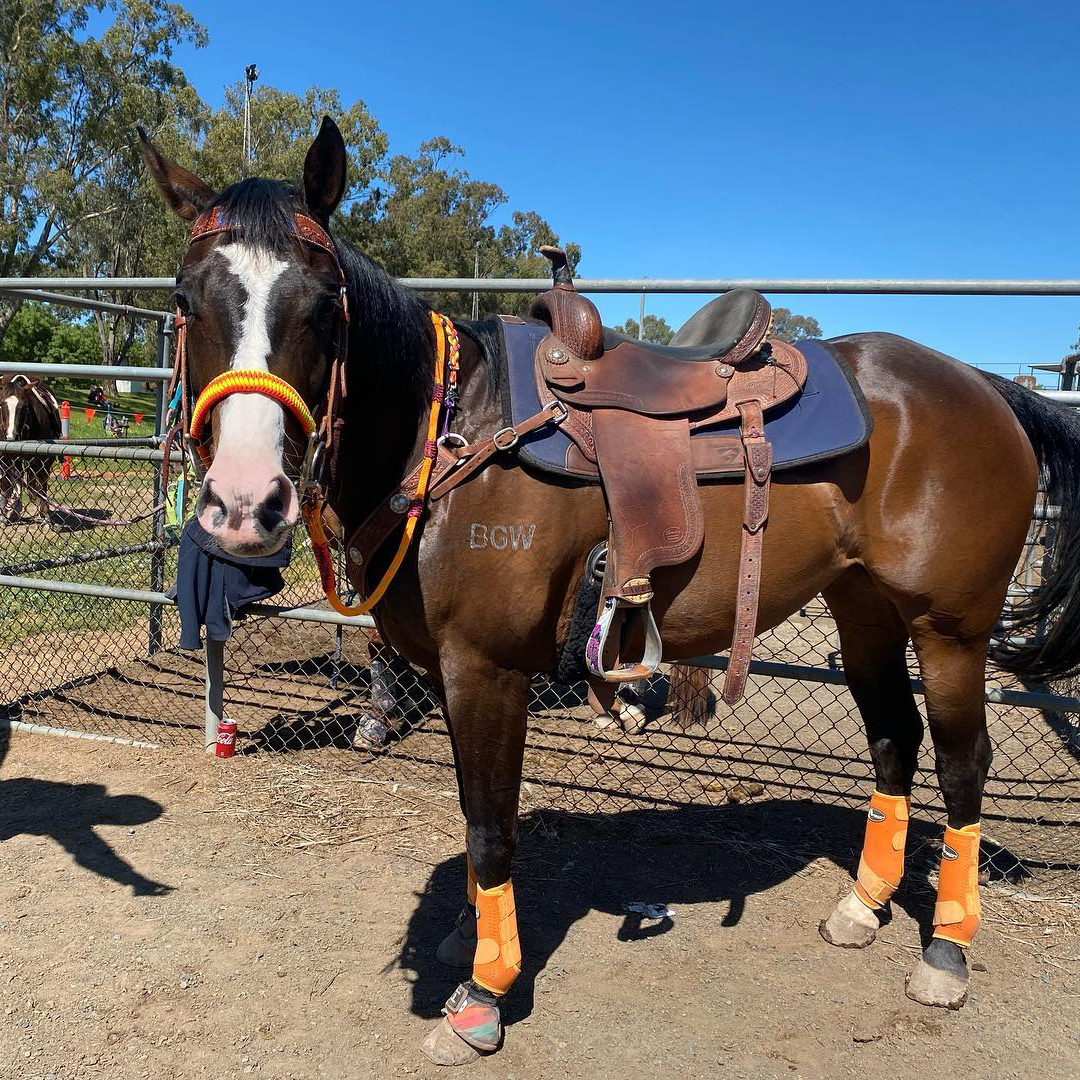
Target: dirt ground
(156,921)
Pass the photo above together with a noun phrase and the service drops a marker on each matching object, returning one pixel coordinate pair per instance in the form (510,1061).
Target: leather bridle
(187,420)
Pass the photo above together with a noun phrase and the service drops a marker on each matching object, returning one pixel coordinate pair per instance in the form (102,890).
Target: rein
(324,437)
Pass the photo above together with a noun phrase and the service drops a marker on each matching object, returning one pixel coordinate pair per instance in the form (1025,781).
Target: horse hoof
(444,1046)
(929,985)
(632,719)
(852,925)
(604,720)
(457,950)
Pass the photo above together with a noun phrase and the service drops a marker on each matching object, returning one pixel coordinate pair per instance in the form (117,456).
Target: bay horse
(28,410)
(914,536)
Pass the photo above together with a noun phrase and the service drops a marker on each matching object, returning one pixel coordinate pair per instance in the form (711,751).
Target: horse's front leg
(486,709)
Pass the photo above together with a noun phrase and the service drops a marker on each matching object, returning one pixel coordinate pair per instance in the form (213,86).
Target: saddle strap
(467,459)
(755,515)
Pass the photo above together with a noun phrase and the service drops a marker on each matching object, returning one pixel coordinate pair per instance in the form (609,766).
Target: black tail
(1050,618)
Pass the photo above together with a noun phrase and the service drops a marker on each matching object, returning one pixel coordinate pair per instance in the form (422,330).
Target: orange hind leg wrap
(957,914)
(498,953)
(882,863)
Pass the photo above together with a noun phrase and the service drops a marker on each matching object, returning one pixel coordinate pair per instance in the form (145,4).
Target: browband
(215,221)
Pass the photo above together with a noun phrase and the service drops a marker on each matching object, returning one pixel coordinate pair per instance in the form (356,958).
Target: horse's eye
(182,304)
(324,311)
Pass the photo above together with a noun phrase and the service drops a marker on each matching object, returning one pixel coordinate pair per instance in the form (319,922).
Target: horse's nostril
(210,499)
(210,496)
(271,512)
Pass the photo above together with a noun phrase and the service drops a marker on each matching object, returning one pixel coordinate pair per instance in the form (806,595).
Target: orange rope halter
(247,381)
(446,356)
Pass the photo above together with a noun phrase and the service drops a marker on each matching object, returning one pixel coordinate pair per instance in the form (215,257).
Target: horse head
(28,409)
(262,305)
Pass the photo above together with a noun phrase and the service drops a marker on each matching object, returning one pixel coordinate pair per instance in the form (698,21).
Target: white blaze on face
(251,423)
(12,404)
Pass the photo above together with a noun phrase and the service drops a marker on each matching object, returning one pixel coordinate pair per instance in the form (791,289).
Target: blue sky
(735,140)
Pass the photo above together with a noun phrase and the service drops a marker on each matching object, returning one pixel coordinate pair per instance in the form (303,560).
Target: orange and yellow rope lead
(446,350)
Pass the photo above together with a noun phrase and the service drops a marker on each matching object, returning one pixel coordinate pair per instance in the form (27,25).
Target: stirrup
(626,672)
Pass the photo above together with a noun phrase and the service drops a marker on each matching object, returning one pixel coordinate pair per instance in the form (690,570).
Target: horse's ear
(324,172)
(182,190)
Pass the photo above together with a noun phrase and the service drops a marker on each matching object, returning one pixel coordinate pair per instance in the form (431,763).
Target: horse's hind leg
(486,708)
(954,674)
(873,643)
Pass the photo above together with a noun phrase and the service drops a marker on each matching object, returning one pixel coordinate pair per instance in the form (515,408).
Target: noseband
(324,436)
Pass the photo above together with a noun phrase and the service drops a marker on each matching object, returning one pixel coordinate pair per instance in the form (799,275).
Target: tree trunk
(9,308)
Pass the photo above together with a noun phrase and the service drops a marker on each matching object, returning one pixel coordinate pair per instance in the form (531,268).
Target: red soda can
(226,739)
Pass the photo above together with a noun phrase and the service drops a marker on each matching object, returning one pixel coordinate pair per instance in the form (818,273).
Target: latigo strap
(957,914)
(758,452)
(881,865)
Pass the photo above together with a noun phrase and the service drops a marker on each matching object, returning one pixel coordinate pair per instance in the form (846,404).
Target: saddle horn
(560,269)
(573,318)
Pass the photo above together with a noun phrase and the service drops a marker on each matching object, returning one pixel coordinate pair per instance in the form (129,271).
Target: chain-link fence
(109,665)
(91,648)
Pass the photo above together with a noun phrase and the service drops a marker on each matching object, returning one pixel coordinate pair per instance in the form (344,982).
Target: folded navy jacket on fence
(212,586)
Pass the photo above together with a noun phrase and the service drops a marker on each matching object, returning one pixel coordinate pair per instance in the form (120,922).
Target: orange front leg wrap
(498,953)
(882,863)
(957,914)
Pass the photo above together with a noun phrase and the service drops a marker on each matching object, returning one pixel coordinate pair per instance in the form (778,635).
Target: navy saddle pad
(827,419)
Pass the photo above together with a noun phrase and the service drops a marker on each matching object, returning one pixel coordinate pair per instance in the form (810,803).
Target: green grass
(119,489)
(75,391)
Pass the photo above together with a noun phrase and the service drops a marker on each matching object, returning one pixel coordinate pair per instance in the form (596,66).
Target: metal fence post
(157,557)
(215,690)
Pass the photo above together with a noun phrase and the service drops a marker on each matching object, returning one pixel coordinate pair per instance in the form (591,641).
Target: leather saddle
(631,408)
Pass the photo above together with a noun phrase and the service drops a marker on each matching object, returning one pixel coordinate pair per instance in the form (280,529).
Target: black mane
(390,326)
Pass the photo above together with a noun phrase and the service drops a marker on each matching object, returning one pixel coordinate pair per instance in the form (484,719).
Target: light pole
(251,73)
(476,274)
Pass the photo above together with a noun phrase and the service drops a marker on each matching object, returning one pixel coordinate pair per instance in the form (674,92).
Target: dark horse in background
(28,410)
(914,536)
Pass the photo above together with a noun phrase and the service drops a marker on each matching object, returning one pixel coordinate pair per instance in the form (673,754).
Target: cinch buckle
(497,438)
(561,415)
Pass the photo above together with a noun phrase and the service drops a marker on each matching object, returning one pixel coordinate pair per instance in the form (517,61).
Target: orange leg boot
(473,1009)
(957,914)
(941,976)
(853,923)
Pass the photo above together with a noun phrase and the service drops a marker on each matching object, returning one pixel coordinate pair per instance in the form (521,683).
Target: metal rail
(78,558)
(995,695)
(87,371)
(59,448)
(45,289)
(821,286)
(149,596)
(91,305)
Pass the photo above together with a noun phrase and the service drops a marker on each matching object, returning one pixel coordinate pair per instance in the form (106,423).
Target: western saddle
(631,408)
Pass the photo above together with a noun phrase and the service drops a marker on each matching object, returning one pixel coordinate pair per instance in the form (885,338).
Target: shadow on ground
(68,814)
(570,864)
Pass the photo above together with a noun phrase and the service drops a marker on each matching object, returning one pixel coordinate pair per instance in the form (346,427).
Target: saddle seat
(595,366)
(630,408)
